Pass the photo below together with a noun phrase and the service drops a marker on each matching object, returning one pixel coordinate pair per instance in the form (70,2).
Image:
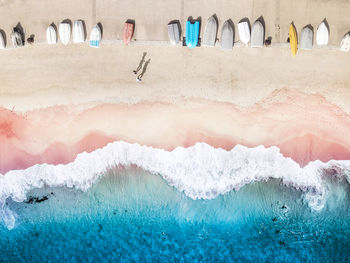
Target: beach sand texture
(58,101)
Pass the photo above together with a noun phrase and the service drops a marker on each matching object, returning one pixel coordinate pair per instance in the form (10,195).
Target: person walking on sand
(140,63)
(139,77)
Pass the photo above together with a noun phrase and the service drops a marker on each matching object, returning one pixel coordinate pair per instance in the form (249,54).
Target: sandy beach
(35,76)
(57,101)
(42,76)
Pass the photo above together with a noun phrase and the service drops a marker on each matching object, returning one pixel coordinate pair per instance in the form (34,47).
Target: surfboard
(257,37)
(293,39)
(227,36)
(64,31)
(244,32)
(2,41)
(128,32)
(17,39)
(195,34)
(306,38)
(78,32)
(209,36)
(192,34)
(174,33)
(95,36)
(51,35)
(322,35)
(345,43)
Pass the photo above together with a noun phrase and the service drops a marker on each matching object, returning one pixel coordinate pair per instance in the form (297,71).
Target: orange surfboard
(128,33)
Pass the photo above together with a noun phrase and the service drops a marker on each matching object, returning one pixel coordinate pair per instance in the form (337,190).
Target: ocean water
(130,214)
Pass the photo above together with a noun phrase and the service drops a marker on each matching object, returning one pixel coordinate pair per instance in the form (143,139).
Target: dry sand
(42,76)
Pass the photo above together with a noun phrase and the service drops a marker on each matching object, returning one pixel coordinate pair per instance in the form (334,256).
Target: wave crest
(200,171)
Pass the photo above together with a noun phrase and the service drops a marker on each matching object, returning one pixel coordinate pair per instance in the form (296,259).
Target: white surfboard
(227,36)
(322,35)
(78,32)
(257,37)
(51,35)
(95,36)
(306,38)
(209,36)
(2,41)
(64,32)
(174,33)
(244,32)
(345,43)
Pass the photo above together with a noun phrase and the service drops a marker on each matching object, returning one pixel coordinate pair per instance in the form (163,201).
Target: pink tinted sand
(305,128)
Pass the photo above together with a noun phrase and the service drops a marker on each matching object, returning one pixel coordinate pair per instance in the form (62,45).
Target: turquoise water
(132,215)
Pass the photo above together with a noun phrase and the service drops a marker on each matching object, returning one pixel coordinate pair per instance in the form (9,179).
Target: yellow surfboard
(293,40)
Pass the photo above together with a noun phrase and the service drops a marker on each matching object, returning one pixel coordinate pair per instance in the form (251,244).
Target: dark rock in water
(278,231)
(274,219)
(282,243)
(99,228)
(284,207)
(34,199)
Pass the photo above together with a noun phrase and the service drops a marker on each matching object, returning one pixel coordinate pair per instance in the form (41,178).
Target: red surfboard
(128,32)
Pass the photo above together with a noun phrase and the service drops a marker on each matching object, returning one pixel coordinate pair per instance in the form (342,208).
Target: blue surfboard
(192,34)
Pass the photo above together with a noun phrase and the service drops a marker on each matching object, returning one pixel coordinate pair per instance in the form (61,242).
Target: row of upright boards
(255,35)
(66,30)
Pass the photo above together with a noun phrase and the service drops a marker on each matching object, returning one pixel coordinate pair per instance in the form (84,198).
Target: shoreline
(306,129)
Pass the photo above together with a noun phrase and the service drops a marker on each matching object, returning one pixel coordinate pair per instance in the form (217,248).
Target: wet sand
(304,127)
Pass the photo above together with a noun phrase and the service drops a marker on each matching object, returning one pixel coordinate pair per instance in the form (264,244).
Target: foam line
(200,171)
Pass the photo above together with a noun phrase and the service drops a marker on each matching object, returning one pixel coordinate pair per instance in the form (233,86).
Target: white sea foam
(201,171)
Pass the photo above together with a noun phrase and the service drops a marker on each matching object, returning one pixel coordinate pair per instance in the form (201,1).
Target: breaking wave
(200,171)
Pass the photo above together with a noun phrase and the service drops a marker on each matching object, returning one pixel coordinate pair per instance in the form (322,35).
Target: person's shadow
(144,69)
(140,63)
